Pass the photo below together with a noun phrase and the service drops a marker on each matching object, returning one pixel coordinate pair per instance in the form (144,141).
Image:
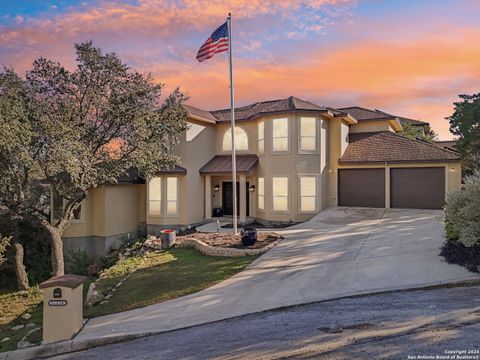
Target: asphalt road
(442,323)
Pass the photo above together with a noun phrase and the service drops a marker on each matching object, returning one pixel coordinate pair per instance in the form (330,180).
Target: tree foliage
(417,133)
(463,212)
(4,243)
(76,130)
(465,124)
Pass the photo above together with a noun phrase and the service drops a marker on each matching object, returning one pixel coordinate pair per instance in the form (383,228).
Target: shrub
(463,212)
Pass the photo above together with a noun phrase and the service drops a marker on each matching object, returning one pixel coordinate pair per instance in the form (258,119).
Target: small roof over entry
(222,164)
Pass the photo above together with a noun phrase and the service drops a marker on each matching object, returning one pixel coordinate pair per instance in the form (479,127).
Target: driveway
(340,252)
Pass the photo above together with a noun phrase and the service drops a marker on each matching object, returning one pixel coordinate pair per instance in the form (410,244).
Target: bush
(463,212)
(455,252)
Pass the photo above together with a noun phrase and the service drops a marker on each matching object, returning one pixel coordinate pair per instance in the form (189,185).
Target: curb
(69,346)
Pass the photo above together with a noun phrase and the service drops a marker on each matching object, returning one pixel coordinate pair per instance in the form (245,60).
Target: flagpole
(232,113)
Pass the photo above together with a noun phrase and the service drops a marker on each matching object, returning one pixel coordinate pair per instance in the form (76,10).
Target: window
(308,193)
(193,131)
(58,205)
(280,193)
(308,137)
(172,195)
(261,193)
(241,139)
(280,135)
(261,137)
(155,196)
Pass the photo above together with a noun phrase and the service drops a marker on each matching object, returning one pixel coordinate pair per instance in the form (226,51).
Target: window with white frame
(261,137)
(308,135)
(280,193)
(155,196)
(172,195)
(308,193)
(261,193)
(280,135)
(241,139)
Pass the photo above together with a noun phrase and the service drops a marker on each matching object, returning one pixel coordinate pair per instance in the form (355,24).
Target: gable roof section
(221,164)
(199,114)
(389,147)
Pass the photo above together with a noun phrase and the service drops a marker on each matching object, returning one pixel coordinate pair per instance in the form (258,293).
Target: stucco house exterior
(294,158)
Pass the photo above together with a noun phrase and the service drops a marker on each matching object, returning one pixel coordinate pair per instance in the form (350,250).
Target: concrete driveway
(340,252)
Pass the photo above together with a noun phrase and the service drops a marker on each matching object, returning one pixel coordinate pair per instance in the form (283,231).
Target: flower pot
(168,237)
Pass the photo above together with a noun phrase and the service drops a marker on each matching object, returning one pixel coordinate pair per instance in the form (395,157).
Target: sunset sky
(406,57)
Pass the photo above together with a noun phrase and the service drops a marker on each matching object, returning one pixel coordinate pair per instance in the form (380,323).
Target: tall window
(308,134)
(172,195)
(58,205)
(155,196)
(280,135)
(261,137)
(261,193)
(308,193)
(241,139)
(280,193)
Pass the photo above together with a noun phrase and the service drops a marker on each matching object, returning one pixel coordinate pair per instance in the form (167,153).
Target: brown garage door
(361,187)
(417,188)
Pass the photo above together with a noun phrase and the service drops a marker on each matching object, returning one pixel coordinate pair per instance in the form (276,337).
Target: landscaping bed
(455,252)
(233,241)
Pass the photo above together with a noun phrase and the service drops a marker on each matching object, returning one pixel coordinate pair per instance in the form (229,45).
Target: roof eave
(201,118)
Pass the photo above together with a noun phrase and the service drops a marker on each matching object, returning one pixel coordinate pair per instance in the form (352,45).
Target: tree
(417,133)
(465,123)
(94,124)
(4,243)
(20,193)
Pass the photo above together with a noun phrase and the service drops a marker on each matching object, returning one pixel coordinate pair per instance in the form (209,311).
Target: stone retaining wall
(221,251)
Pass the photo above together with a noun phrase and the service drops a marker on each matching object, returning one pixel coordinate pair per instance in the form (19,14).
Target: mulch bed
(455,252)
(258,225)
(234,241)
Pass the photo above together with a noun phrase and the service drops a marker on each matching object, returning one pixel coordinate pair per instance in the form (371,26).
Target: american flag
(216,43)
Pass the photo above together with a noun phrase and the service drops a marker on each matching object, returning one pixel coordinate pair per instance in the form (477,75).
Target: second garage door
(361,187)
(417,188)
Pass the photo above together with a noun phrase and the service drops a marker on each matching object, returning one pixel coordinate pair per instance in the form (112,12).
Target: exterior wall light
(216,188)
(252,188)
(452,169)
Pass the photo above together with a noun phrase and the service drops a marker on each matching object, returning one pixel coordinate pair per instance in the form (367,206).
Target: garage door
(361,187)
(417,188)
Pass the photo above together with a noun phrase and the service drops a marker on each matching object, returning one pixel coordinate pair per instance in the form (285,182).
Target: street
(442,322)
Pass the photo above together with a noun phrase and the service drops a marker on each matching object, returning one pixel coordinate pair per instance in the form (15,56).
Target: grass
(12,306)
(163,276)
(153,278)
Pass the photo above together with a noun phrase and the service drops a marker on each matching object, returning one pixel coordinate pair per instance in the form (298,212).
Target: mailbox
(62,307)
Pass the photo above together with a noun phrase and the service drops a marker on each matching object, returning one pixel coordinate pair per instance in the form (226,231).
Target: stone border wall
(221,251)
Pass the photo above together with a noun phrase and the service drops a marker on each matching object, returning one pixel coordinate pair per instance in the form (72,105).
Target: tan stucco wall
(194,154)
(337,143)
(371,126)
(110,210)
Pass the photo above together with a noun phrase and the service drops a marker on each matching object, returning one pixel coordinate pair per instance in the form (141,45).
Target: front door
(227,198)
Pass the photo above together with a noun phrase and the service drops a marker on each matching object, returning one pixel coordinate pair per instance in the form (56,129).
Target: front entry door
(227,198)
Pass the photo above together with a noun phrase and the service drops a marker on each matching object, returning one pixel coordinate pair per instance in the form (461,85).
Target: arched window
(241,139)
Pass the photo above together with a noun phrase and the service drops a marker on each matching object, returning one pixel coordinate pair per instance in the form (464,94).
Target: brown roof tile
(386,146)
(364,114)
(220,164)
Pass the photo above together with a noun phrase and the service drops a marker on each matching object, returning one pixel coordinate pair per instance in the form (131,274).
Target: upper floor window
(308,135)
(241,139)
(280,135)
(261,137)
(155,196)
(58,204)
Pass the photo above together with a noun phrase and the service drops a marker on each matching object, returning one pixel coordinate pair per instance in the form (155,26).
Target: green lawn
(155,277)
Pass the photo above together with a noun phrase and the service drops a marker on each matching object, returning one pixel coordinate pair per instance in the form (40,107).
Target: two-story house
(294,158)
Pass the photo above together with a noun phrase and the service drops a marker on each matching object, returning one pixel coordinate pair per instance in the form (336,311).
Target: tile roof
(448,144)
(386,146)
(220,164)
(177,169)
(361,113)
(257,109)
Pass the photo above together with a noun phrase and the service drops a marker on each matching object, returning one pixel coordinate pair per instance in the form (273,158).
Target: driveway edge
(70,346)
